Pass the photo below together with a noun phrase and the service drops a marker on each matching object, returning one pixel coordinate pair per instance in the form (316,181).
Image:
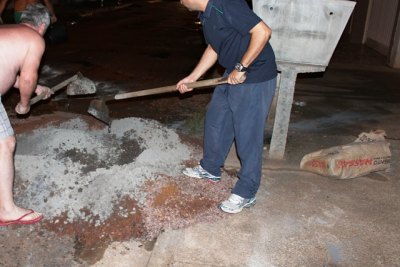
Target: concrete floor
(300,219)
(303,219)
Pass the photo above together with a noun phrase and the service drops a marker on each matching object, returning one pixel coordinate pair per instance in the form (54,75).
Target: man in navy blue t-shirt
(238,39)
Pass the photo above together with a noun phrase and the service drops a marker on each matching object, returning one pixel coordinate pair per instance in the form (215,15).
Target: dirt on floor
(98,184)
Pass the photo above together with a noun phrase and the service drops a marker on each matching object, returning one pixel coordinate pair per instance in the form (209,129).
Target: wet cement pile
(112,183)
(68,168)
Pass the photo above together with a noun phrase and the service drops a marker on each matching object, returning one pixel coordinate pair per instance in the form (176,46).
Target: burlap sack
(368,153)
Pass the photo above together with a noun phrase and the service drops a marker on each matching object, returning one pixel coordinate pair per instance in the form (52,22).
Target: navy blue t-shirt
(226,26)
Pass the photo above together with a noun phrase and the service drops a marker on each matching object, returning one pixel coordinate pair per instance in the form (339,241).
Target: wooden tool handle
(172,88)
(54,89)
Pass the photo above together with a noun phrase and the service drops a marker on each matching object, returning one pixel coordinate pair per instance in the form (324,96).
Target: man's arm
(207,60)
(260,35)
(27,80)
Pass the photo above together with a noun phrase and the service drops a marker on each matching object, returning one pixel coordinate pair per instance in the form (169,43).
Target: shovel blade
(99,110)
(81,86)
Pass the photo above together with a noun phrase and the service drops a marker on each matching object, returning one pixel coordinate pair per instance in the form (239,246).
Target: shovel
(99,109)
(77,85)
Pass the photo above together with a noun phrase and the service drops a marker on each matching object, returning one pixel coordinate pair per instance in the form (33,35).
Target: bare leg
(8,210)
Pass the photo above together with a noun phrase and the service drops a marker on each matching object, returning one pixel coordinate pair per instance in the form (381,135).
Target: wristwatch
(239,67)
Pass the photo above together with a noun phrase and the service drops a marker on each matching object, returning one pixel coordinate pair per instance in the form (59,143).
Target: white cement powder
(56,184)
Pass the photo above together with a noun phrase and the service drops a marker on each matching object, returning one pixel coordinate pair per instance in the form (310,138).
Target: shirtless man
(20,6)
(21,50)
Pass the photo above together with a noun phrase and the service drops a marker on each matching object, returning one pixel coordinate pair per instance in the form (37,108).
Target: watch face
(238,67)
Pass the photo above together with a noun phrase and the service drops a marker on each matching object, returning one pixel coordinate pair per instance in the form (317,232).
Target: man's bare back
(21,49)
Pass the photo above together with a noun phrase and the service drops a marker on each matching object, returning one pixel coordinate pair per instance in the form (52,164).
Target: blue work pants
(238,112)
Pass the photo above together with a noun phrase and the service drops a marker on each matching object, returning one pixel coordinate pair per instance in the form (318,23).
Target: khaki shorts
(5,126)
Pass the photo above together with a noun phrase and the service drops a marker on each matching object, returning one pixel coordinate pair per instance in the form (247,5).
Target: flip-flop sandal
(21,221)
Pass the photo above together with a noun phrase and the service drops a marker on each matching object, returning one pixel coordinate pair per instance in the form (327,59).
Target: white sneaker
(236,203)
(200,173)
